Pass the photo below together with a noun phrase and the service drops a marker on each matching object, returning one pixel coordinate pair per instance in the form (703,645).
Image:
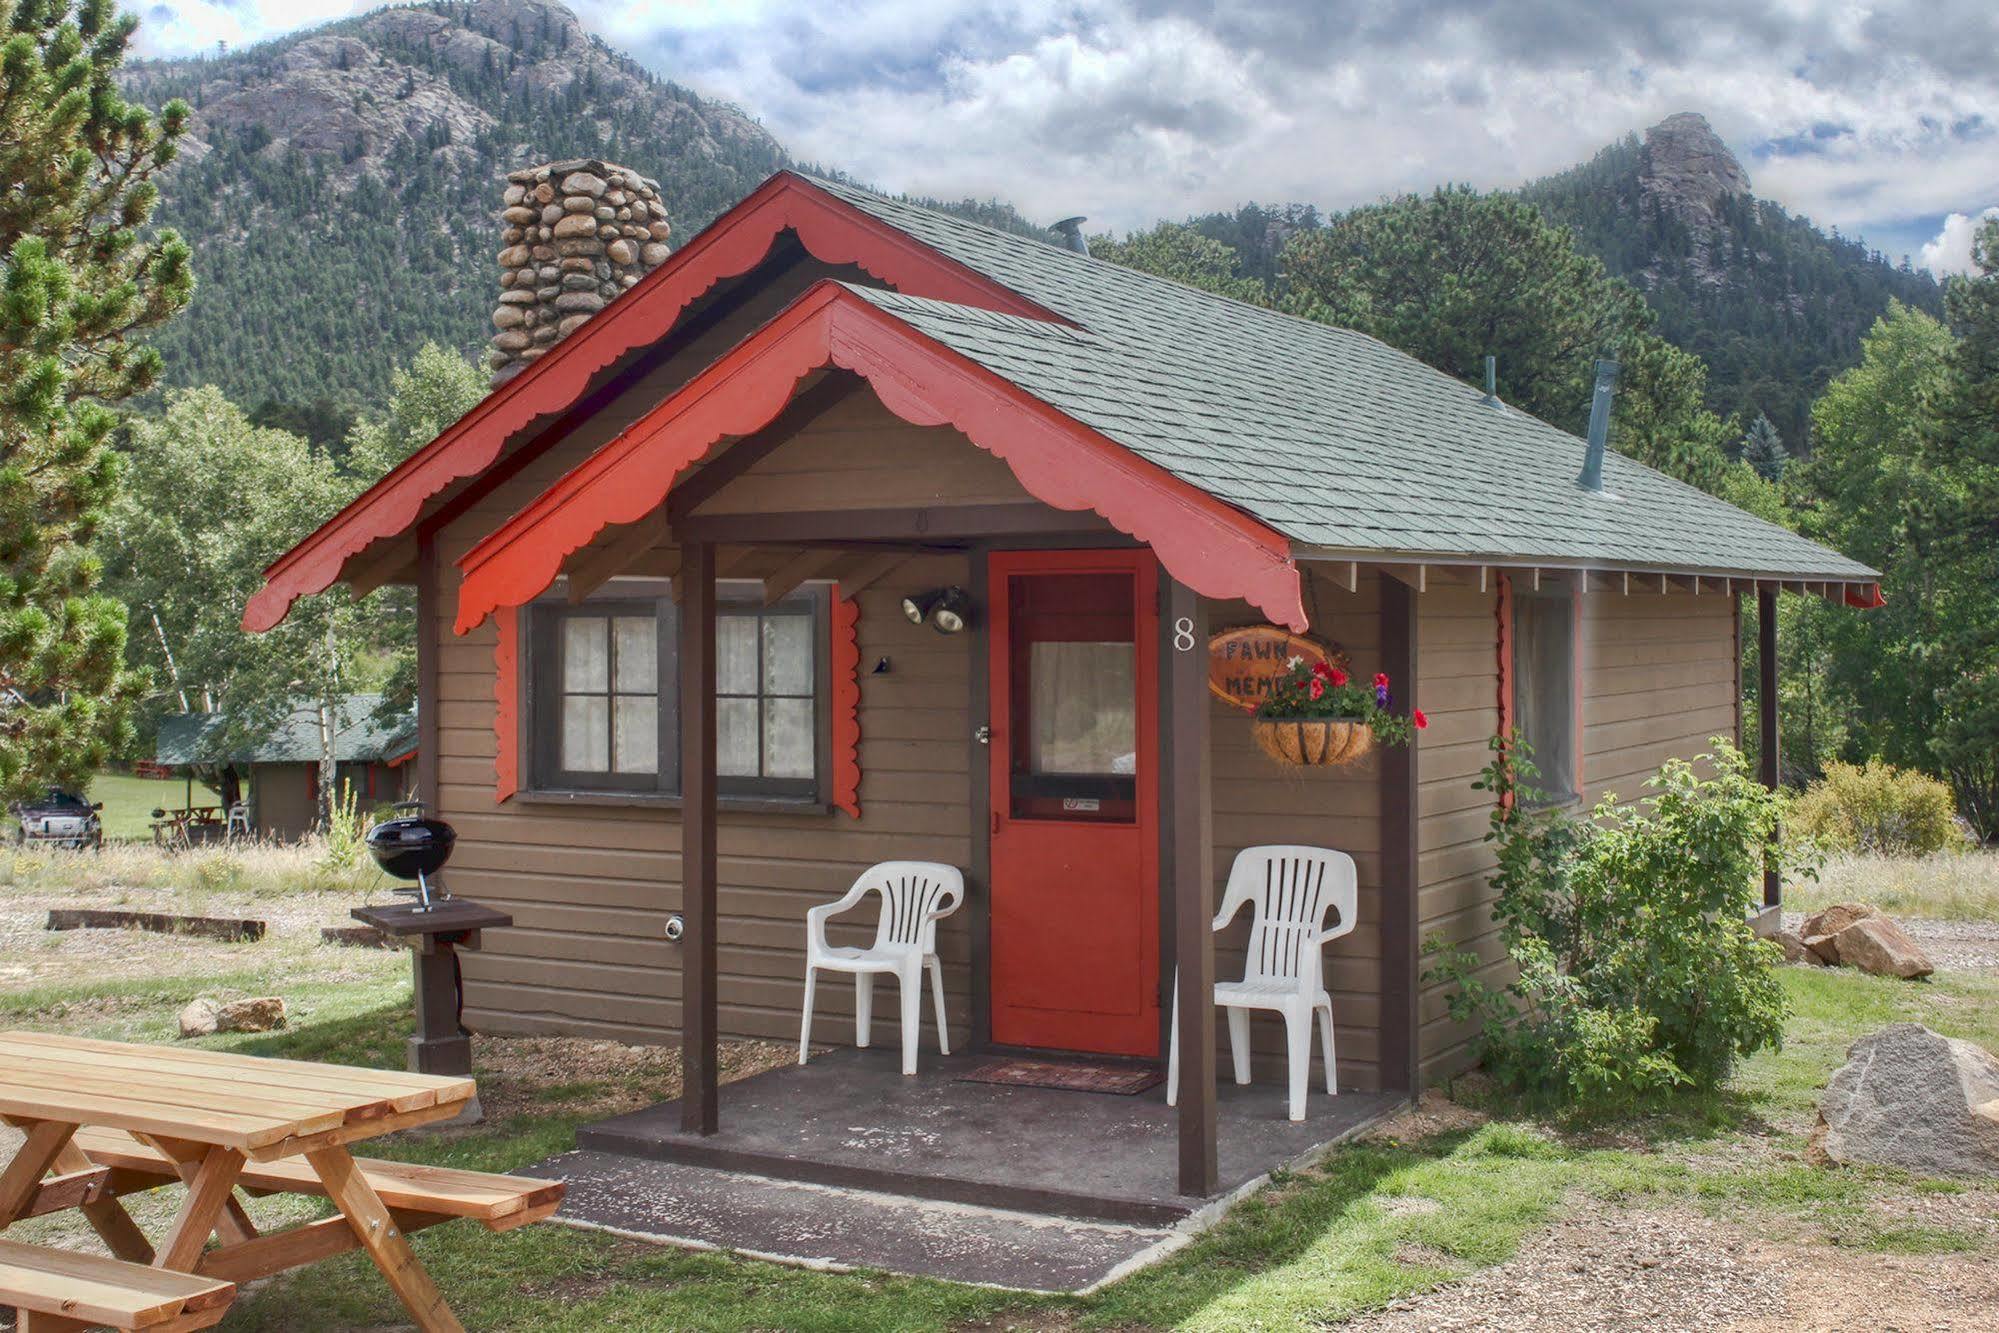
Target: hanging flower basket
(1306,742)
(1317,716)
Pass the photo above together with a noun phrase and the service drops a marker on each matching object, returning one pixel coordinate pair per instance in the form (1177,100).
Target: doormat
(1067,1076)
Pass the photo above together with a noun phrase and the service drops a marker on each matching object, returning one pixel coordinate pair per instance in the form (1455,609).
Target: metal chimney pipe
(1492,382)
(1071,232)
(1591,478)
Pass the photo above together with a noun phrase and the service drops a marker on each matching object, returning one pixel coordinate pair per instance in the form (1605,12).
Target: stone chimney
(577,233)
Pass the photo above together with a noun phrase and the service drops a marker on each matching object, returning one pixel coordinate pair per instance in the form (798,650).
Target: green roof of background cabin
(1330,437)
(196,738)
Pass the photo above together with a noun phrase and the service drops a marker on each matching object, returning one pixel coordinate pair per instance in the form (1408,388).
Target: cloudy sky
(1880,118)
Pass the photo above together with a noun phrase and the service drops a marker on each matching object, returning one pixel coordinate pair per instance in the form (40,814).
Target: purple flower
(1380,695)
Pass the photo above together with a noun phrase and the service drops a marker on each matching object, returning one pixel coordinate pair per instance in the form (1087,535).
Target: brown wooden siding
(859,454)
(1658,679)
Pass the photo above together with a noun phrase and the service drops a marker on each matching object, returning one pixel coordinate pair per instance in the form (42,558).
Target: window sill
(756,805)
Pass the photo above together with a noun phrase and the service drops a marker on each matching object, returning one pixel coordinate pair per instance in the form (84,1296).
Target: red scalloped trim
(506,705)
(846,704)
(1214,549)
(831,230)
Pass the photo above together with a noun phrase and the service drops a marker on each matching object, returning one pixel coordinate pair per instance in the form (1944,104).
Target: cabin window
(603,695)
(1544,688)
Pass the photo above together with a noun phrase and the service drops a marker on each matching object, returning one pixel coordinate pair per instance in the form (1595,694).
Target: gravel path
(1676,1269)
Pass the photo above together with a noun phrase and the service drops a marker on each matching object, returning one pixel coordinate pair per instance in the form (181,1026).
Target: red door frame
(1139,1036)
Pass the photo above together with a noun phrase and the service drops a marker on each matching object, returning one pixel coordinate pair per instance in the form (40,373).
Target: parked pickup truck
(61,819)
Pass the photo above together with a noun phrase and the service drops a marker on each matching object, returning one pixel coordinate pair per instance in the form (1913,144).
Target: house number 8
(1183,634)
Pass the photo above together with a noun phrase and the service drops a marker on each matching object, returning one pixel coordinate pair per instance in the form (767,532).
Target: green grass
(129,802)
(1374,1222)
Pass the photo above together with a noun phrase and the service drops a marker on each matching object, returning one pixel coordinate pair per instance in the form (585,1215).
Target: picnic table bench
(106,1119)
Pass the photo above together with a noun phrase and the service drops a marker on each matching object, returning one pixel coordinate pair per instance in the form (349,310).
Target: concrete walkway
(832,1227)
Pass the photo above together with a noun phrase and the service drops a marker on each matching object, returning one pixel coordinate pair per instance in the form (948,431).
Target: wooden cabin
(667,673)
(278,778)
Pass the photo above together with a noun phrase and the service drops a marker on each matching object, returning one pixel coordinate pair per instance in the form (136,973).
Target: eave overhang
(1213,548)
(831,230)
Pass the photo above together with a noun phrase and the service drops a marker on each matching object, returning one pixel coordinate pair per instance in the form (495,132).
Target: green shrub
(1878,808)
(1630,929)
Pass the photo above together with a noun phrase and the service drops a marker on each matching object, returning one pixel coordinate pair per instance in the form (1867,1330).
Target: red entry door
(1074,780)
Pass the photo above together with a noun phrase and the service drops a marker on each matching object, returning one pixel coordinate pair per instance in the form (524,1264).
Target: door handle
(984,735)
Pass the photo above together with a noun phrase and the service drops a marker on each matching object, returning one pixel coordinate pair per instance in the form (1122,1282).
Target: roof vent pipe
(1071,232)
(1599,426)
(1492,382)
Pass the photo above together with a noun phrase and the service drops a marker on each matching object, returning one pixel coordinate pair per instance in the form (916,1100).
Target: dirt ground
(1678,1269)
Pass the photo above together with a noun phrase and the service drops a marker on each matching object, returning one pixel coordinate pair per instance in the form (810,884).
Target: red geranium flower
(1318,687)
(1381,680)
(1323,670)
(1337,677)
(1417,717)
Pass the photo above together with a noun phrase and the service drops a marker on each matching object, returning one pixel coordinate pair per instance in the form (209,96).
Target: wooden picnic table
(218,1121)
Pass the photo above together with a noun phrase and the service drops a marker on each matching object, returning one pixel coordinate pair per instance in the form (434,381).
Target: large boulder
(1820,929)
(1912,1098)
(1876,944)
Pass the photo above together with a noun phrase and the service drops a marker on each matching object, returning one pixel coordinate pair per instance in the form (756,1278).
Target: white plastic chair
(915,896)
(239,821)
(1292,888)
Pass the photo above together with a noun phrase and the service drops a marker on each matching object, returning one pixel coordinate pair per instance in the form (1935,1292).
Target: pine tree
(1763,449)
(77,280)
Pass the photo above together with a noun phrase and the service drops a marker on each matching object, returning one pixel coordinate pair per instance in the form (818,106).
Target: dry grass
(1944,886)
(252,868)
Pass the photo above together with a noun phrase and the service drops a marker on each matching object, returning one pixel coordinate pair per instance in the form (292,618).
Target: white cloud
(1950,252)
(193,27)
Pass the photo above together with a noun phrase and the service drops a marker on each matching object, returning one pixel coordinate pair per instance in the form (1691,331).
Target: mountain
(1775,306)
(342,185)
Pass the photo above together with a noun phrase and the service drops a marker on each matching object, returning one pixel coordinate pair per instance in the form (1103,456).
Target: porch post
(1769,736)
(427,584)
(1401,1063)
(1186,821)
(699,1056)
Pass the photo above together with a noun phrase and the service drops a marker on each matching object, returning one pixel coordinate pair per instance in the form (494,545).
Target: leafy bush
(1638,969)
(1878,808)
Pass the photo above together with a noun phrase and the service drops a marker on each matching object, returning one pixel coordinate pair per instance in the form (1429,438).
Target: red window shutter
(846,703)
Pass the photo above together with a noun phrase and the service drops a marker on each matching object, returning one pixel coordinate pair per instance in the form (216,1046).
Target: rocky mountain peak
(1689,170)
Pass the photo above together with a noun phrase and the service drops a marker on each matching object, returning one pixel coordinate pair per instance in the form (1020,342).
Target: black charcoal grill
(413,847)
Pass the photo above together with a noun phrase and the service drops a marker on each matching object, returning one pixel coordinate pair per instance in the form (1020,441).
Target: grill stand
(436,934)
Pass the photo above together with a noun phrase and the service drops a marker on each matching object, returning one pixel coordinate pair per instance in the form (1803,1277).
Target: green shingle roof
(197,738)
(1328,436)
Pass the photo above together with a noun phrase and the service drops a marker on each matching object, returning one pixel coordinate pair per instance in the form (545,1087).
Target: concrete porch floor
(850,1119)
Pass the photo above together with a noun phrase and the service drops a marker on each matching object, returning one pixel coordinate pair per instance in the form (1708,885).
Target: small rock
(261,1014)
(508,317)
(1876,944)
(570,325)
(585,301)
(582,182)
(654,254)
(1794,948)
(521,217)
(199,1018)
(513,256)
(1912,1098)
(1824,949)
(622,252)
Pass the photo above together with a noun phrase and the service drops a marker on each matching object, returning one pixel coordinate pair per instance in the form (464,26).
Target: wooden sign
(1244,663)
